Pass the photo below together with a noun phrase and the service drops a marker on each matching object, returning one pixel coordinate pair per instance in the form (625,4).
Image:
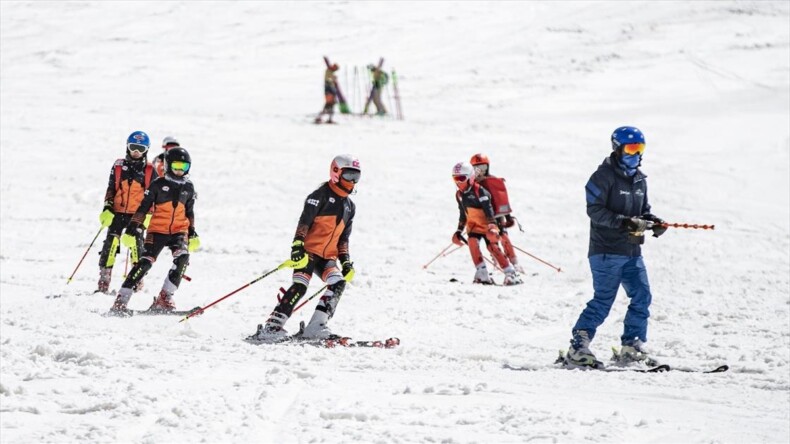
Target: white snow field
(537,86)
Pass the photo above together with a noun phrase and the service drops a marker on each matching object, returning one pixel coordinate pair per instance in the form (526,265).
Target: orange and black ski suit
(325,228)
(476,213)
(172,204)
(173,222)
(128,181)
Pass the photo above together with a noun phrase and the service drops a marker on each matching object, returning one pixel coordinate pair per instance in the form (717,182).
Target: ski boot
(511,277)
(105,275)
(514,262)
(482,276)
(163,303)
(633,352)
(272,331)
(317,328)
(579,355)
(119,306)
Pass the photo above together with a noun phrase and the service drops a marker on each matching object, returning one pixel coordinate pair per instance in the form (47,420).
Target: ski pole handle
(202,309)
(313,296)
(85,254)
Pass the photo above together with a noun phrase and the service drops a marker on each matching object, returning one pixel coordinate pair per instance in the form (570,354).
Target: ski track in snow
(537,86)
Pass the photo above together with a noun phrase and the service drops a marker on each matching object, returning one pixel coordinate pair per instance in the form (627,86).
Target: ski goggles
(140,148)
(460,179)
(481,168)
(179,165)
(351,175)
(634,148)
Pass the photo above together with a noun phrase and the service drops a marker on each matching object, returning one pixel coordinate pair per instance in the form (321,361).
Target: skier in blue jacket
(619,214)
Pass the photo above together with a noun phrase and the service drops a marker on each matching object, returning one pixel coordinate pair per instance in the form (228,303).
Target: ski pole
(320,290)
(692,226)
(496,265)
(126,264)
(202,309)
(538,259)
(438,255)
(85,254)
(310,298)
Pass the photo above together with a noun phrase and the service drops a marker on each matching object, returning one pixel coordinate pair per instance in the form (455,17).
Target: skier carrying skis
(172,198)
(619,212)
(500,201)
(330,93)
(320,243)
(159,161)
(380,80)
(129,179)
(476,214)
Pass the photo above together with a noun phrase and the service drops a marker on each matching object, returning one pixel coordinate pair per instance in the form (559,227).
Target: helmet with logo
(177,159)
(463,175)
(481,164)
(169,142)
(345,163)
(626,135)
(137,142)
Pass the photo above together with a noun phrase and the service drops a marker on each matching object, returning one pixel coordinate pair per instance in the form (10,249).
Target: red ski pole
(538,259)
(692,226)
(85,254)
(438,255)
(309,299)
(202,309)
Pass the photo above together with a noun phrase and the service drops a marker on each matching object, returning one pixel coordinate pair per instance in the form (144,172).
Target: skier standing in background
(159,161)
(500,201)
(380,80)
(619,212)
(476,215)
(172,198)
(330,93)
(320,242)
(129,179)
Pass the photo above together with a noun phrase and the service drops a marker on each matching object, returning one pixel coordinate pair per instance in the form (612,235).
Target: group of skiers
(379,80)
(153,205)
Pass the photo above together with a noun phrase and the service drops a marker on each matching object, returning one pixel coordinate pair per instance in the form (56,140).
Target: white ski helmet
(463,172)
(343,162)
(169,140)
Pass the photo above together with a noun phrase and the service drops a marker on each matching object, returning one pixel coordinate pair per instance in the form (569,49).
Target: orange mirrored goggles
(634,148)
(460,179)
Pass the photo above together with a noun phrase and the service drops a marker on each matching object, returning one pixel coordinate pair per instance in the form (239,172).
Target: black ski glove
(297,251)
(348,270)
(635,224)
(458,238)
(658,227)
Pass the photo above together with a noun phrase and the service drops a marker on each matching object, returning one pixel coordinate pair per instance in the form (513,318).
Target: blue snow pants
(609,271)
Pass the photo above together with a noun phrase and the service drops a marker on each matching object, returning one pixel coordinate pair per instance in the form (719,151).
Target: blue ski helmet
(138,141)
(625,135)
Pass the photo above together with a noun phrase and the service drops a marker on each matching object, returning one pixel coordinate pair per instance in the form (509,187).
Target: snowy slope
(537,86)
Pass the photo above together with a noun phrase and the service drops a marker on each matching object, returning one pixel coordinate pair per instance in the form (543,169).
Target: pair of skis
(334,341)
(129,313)
(562,362)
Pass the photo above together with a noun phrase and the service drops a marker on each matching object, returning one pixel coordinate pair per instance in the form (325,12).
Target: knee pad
(291,298)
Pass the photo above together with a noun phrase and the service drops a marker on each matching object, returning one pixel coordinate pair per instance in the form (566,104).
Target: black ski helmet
(177,154)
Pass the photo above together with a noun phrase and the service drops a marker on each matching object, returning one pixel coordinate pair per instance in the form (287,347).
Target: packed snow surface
(537,86)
